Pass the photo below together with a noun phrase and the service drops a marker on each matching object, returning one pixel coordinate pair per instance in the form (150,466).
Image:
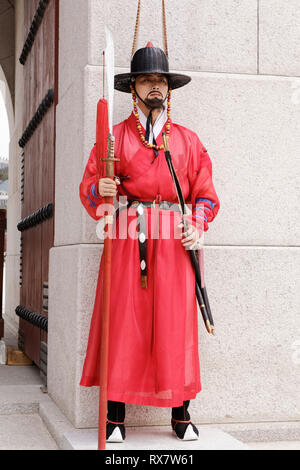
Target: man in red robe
(153,335)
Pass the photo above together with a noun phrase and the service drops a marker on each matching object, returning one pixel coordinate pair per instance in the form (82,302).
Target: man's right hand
(107,187)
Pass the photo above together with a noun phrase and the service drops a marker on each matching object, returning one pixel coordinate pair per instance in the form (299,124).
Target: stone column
(243,102)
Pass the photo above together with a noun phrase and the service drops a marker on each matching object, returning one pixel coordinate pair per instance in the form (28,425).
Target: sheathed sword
(201,293)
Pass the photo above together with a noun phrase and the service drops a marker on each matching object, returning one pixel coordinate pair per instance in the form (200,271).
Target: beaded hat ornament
(149,60)
(139,126)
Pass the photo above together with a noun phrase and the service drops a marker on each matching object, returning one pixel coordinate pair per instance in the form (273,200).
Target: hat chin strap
(149,120)
(147,105)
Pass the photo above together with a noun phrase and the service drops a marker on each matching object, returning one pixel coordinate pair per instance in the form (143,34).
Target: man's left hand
(191,237)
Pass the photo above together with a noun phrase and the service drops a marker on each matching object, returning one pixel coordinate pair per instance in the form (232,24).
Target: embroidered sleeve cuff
(93,195)
(203,212)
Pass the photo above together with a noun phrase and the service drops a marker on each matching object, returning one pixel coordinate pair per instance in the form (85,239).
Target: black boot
(181,423)
(115,428)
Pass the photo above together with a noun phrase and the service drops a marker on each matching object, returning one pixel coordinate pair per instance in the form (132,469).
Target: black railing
(33,318)
(37,118)
(37,218)
(38,17)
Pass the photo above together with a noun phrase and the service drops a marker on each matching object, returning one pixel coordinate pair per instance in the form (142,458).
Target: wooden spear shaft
(104,340)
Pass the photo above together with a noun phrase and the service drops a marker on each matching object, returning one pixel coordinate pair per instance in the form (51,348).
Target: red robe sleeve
(88,188)
(203,197)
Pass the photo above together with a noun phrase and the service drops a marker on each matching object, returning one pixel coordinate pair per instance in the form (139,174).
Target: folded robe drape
(153,335)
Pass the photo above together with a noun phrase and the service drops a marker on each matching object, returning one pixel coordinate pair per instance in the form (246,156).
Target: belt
(142,228)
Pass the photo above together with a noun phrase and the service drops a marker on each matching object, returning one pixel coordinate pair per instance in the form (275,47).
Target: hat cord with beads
(139,126)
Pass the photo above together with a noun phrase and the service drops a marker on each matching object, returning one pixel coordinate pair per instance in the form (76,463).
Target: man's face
(152,88)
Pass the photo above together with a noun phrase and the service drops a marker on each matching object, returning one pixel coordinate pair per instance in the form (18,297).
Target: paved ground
(21,426)
(24,432)
(278,445)
(156,437)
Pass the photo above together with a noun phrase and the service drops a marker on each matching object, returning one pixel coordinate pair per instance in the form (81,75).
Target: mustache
(155,91)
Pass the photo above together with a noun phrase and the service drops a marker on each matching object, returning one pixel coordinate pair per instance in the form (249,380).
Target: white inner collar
(158,125)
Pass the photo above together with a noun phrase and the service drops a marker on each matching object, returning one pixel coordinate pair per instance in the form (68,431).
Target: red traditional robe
(153,336)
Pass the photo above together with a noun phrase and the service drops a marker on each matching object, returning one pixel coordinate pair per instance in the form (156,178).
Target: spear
(105,143)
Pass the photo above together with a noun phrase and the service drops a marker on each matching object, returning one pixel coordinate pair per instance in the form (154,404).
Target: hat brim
(176,80)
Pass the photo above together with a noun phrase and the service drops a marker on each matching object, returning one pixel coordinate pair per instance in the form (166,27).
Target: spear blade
(110,65)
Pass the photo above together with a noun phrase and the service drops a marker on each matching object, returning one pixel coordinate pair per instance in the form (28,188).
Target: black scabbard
(201,293)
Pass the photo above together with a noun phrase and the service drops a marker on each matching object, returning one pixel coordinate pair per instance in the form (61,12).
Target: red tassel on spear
(105,147)
(102,129)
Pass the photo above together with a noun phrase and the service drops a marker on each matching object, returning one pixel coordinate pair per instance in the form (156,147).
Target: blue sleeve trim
(212,204)
(92,203)
(94,192)
(201,217)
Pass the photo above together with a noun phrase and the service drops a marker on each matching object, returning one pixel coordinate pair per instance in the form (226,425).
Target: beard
(155,103)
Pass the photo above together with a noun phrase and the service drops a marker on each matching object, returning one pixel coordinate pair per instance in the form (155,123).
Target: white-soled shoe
(115,432)
(184,430)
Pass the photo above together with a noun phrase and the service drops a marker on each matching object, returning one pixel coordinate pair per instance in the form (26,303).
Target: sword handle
(110,165)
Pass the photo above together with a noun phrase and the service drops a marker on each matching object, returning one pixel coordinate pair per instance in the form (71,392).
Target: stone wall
(244,103)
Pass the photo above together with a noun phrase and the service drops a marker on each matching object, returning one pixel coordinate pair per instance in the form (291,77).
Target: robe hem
(146,401)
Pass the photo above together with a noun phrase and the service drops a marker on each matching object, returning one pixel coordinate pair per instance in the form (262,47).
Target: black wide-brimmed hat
(148,60)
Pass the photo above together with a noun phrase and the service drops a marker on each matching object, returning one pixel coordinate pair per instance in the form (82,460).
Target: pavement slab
(156,438)
(24,432)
